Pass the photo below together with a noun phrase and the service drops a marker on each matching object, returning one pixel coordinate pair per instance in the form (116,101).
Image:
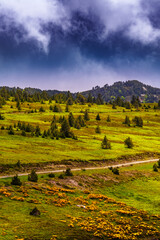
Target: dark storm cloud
(107,40)
(133,17)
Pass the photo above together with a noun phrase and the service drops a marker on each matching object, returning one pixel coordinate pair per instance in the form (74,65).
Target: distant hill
(126,90)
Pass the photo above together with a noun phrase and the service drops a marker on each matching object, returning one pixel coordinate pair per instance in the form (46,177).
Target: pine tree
(86,116)
(67,108)
(138,121)
(65,128)
(98,117)
(11,131)
(108,119)
(127,121)
(98,130)
(37,131)
(106,143)
(89,99)
(71,119)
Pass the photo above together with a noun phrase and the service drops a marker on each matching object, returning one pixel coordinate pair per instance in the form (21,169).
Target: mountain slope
(127,90)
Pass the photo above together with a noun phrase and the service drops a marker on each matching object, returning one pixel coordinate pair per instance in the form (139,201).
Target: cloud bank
(131,18)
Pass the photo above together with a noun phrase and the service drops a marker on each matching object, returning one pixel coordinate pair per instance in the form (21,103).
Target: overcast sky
(78,44)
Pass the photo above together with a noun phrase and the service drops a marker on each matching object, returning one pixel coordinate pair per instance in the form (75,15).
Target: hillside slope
(127,90)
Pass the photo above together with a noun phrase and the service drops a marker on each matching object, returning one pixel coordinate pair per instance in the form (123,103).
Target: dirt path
(91,168)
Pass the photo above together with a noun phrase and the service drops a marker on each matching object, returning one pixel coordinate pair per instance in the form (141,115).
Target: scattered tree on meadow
(106,143)
(108,119)
(11,131)
(37,131)
(23,133)
(155,168)
(98,117)
(33,177)
(16,181)
(115,171)
(41,109)
(98,130)
(67,108)
(71,119)
(86,116)
(68,172)
(128,142)
(127,121)
(138,121)
(57,108)
(2,117)
(65,129)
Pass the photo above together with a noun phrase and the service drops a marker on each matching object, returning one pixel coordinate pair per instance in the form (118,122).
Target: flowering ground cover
(86,210)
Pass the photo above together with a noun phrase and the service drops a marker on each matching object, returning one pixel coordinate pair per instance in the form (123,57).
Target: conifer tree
(65,128)
(71,119)
(108,119)
(98,117)
(127,121)
(86,116)
(106,143)
(98,130)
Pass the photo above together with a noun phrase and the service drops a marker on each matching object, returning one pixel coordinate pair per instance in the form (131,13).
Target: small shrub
(51,175)
(158,163)
(2,117)
(23,133)
(16,181)
(18,164)
(11,131)
(61,176)
(138,121)
(128,142)
(41,109)
(97,130)
(35,212)
(33,177)
(68,172)
(127,121)
(155,168)
(108,119)
(115,171)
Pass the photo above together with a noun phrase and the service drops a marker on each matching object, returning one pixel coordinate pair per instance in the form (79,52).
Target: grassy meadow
(88,205)
(91,204)
(29,149)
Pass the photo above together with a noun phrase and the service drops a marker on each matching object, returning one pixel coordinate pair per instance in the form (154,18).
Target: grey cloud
(32,15)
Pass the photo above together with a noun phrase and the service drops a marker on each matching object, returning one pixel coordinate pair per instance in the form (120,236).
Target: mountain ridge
(125,90)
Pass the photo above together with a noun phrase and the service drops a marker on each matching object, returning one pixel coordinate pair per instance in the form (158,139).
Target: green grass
(137,186)
(88,146)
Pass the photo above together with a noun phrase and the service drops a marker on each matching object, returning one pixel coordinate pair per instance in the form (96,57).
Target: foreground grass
(89,205)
